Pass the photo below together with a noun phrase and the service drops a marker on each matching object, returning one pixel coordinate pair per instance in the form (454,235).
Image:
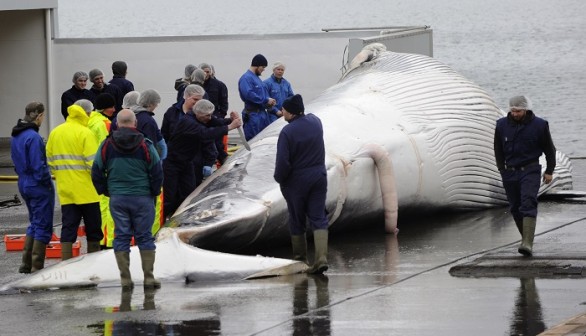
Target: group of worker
(111,161)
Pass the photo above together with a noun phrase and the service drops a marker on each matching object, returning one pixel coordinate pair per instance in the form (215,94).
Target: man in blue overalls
(255,97)
(520,139)
(300,170)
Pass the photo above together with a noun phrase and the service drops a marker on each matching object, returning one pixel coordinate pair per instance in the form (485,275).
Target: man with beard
(519,140)
(256,100)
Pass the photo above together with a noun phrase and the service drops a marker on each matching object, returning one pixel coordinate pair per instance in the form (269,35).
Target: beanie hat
(95,73)
(119,68)
(259,60)
(294,104)
(520,102)
(104,101)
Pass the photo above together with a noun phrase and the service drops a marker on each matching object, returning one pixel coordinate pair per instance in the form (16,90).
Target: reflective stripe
(69,167)
(68,157)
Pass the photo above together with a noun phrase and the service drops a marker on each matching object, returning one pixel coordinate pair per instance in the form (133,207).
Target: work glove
(207,171)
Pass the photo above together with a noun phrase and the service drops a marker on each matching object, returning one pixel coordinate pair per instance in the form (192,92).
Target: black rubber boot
(38,257)
(299,245)
(27,254)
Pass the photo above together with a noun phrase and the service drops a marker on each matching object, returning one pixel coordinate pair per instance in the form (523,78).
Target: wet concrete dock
(377,284)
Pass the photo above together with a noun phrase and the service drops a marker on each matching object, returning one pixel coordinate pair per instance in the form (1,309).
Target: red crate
(54,249)
(14,242)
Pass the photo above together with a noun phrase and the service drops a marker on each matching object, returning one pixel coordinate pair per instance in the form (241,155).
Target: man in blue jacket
(300,171)
(127,168)
(27,150)
(519,140)
(255,97)
(279,88)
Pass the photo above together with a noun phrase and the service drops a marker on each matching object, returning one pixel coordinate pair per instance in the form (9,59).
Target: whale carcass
(403,132)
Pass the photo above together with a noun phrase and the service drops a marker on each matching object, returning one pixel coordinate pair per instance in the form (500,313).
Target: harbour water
(532,47)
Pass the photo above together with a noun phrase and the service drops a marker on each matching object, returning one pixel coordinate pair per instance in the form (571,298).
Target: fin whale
(403,132)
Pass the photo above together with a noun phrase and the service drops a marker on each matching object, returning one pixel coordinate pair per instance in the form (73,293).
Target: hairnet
(278,64)
(95,73)
(205,66)
(520,102)
(85,104)
(79,75)
(149,98)
(204,107)
(198,76)
(189,69)
(130,100)
(193,90)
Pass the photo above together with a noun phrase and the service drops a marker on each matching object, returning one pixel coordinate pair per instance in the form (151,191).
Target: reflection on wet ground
(377,284)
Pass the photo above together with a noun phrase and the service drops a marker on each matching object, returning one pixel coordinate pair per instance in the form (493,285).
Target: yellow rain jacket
(70,153)
(100,126)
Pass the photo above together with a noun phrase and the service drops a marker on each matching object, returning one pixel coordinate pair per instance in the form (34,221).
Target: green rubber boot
(320,263)
(93,246)
(299,244)
(123,261)
(526,247)
(27,254)
(148,263)
(519,224)
(66,251)
(38,257)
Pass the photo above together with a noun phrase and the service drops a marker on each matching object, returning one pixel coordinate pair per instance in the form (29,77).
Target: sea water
(531,47)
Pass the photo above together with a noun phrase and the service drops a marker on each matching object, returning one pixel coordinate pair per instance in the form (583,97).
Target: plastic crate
(54,249)
(14,242)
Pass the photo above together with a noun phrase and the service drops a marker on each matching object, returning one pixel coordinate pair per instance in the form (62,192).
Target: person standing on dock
(70,153)
(300,170)
(27,150)
(519,140)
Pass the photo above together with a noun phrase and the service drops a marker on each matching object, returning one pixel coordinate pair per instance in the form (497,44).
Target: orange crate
(54,249)
(14,242)
(81,231)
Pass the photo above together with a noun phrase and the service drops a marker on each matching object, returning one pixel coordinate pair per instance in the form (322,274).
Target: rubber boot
(123,261)
(38,257)
(299,244)
(148,263)
(320,263)
(125,299)
(66,251)
(526,247)
(93,246)
(27,254)
(519,224)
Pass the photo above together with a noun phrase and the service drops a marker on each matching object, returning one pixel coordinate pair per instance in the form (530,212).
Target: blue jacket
(252,92)
(279,90)
(127,164)
(517,144)
(170,119)
(123,84)
(29,156)
(300,149)
(148,125)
